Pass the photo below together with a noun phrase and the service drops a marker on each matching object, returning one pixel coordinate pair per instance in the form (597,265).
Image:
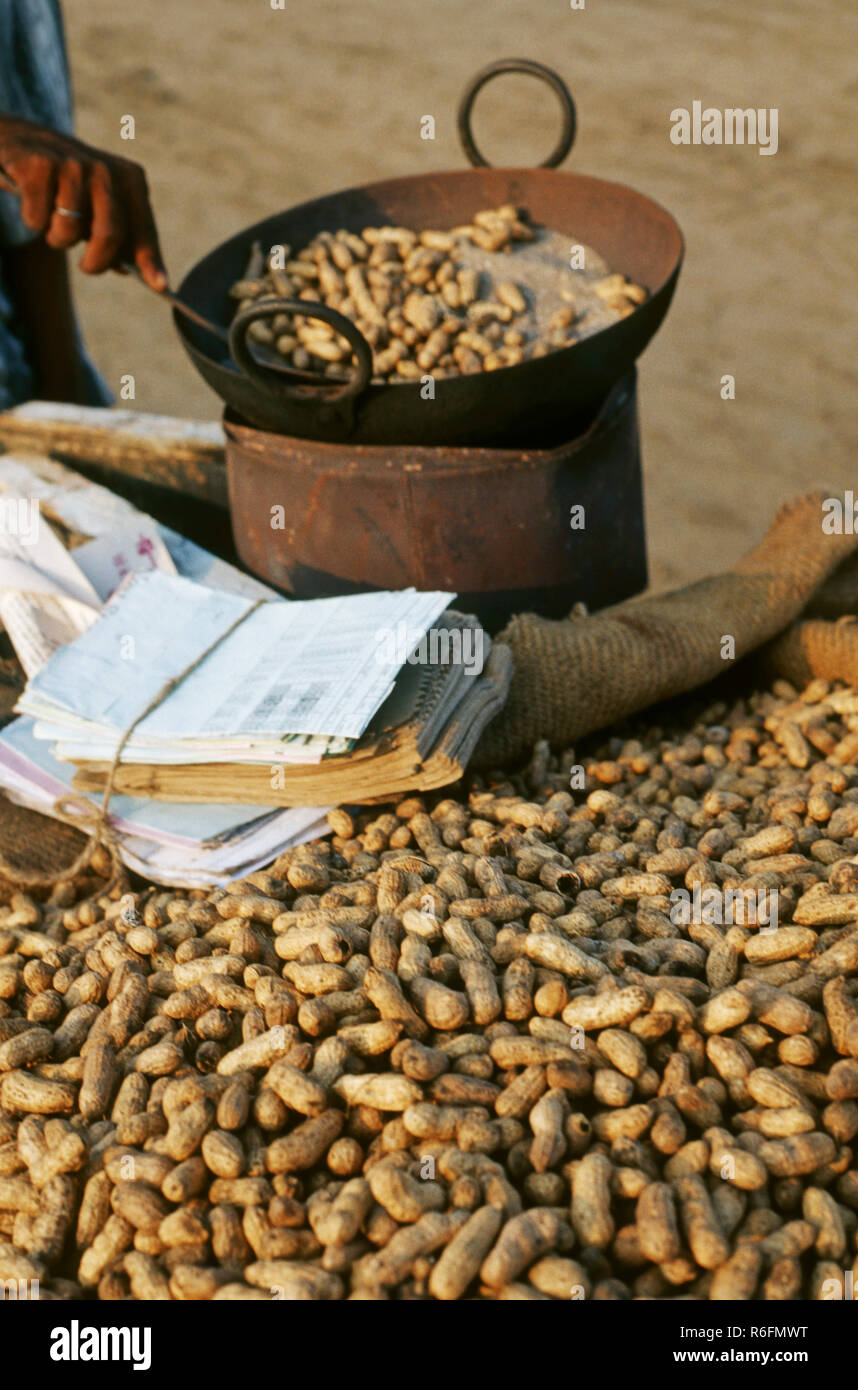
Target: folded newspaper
(50,596)
(217,691)
(421,738)
(196,847)
(272,702)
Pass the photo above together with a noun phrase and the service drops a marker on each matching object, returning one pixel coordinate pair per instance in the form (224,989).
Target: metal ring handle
(532,69)
(270,379)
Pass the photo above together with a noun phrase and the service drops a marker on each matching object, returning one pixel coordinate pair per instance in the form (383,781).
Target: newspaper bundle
(170,676)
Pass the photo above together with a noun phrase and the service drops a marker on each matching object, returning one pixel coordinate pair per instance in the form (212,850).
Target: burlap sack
(582,673)
(816,648)
(824,642)
(33,845)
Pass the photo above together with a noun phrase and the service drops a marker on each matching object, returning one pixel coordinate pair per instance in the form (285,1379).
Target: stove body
(507,530)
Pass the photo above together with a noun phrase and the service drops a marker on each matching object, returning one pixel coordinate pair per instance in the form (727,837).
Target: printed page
(298,668)
(193,562)
(45,599)
(150,632)
(92,510)
(132,549)
(289,668)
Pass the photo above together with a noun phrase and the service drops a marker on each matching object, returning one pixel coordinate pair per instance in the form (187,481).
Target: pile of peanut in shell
(464,1050)
(493,293)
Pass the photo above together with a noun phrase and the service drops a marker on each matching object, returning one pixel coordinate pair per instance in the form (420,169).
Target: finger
(36,179)
(144,248)
(72,213)
(108,228)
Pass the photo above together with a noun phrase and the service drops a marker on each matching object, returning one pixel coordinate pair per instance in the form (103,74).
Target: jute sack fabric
(816,648)
(582,673)
(839,594)
(824,642)
(34,845)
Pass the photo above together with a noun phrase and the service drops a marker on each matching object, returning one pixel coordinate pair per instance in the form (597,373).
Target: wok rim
(316,394)
(430,460)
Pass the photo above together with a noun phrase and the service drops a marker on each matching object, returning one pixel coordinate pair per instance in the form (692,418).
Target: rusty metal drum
(496,526)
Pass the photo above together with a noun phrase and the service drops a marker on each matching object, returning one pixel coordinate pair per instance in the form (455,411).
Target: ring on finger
(68,212)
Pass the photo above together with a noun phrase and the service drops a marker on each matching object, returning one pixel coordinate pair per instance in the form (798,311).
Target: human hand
(72,193)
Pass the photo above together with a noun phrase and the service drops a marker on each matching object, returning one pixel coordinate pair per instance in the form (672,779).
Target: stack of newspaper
(184,846)
(213,690)
(50,596)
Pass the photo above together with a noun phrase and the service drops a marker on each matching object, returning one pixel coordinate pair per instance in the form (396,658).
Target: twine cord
(82,814)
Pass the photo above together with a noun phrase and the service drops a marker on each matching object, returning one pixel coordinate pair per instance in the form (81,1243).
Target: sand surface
(242,110)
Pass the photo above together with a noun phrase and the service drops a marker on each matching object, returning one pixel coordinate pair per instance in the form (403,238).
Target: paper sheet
(193,845)
(300,749)
(152,629)
(306,668)
(296,668)
(131,549)
(92,510)
(193,562)
(175,871)
(45,599)
(82,506)
(28,763)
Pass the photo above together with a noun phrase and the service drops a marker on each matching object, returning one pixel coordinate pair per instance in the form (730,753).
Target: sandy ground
(241,110)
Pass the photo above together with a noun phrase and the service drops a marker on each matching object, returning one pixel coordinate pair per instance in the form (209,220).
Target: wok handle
(528,66)
(271,379)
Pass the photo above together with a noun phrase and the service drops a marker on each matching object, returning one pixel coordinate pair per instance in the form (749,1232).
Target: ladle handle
(532,69)
(271,380)
(178,304)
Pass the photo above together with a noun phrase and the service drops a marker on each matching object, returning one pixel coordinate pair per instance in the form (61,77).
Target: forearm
(37,279)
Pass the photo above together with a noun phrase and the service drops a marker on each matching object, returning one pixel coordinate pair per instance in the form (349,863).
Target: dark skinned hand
(109,194)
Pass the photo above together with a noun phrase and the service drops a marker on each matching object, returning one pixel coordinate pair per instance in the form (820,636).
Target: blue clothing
(34,84)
